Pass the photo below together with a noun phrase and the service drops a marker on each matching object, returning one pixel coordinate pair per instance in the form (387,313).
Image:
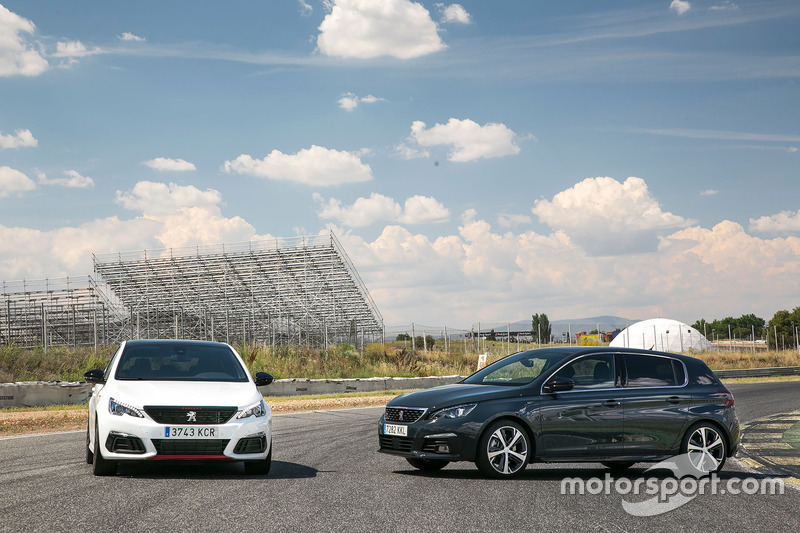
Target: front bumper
(127,438)
(450,440)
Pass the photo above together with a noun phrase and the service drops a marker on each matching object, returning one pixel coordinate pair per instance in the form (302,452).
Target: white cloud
(18,57)
(509,220)
(128,36)
(72,180)
(170,165)
(454,13)
(20,138)
(380,208)
(479,274)
(403,151)
(680,6)
(154,198)
(782,222)
(350,101)
(469,140)
(709,192)
(608,217)
(169,216)
(311,166)
(365,29)
(424,210)
(73,49)
(12,181)
(305,8)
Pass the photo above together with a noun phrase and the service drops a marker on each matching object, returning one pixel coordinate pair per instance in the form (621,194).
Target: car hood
(457,393)
(184,393)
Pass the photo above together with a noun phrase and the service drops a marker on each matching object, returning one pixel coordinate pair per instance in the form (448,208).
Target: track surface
(326,476)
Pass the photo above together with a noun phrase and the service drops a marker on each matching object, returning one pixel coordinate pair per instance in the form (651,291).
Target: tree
(740,328)
(420,343)
(492,336)
(540,328)
(404,337)
(783,323)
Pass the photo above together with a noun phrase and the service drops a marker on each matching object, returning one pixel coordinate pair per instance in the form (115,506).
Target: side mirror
(558,385)
(95,376)
(263,379)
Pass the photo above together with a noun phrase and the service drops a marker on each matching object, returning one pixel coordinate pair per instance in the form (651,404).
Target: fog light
(442,448)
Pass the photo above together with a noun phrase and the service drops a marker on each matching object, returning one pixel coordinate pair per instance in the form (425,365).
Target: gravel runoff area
(71,418)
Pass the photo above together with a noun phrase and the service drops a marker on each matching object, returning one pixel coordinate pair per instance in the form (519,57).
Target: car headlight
(119,409)
(257,409)
(459,411)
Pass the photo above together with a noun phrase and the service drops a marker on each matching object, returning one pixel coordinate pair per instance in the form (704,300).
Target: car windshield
(179,362)
(517,369)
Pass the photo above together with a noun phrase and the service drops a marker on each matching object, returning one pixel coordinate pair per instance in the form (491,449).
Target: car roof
(581,350)
(150,342)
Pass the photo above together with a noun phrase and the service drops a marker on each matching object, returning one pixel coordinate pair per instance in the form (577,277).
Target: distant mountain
(562,327)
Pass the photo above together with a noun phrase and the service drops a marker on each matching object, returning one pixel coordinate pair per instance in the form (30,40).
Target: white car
(177,400)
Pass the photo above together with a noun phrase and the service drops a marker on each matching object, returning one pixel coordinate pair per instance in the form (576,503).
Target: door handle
(610,403)
(674,399)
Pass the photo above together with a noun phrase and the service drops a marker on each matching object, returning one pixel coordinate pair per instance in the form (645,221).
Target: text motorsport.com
(669,493)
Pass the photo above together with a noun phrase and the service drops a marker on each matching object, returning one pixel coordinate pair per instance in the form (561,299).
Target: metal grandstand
(294,291)
(58,312)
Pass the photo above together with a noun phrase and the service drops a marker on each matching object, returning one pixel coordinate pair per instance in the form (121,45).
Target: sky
(478,161)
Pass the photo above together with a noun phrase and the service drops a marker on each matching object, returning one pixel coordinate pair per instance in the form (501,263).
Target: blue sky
(478,160)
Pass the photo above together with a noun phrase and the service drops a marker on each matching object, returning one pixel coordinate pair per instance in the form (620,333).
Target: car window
(517,369)
(651,371)
(590,372)
(179,362)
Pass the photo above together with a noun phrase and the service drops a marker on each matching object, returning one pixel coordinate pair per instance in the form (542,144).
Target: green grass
(341,361)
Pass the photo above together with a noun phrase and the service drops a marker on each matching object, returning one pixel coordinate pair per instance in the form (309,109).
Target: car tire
(706,447)
(504,450)
(618,465)
(89,452)
(259,468)
(100,465)
(428,465)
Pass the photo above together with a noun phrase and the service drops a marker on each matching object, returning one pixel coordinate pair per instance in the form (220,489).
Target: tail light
(728,395)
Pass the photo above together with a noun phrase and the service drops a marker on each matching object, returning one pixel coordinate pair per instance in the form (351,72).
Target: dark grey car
(571,404)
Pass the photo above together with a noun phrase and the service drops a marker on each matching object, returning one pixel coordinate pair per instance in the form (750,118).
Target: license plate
(190,432)
(394,429)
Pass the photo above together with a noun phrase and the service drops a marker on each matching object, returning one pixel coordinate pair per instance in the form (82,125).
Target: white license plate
(191,432)
(394,429)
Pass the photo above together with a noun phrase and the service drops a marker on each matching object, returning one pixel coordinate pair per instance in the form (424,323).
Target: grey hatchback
(615,406)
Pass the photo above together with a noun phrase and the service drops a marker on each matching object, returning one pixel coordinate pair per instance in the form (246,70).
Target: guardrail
(44,393)
(759,372)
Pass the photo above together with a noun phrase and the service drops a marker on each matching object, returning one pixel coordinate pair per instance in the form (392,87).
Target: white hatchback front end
(177,400)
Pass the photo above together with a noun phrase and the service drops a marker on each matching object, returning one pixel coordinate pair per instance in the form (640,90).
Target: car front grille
(190,446)
(407,415)
(189,415)
(398,444)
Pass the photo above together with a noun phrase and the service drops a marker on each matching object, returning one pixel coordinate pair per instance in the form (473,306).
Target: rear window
(179,362)
(653,371)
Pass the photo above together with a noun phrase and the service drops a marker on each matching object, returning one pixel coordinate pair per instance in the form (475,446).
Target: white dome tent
(661,334)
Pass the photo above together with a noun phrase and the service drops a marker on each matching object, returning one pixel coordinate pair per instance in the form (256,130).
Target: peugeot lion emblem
(401,415)
(191,416)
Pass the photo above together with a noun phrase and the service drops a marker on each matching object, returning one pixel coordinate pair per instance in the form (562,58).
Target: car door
(655,403)
(587,420)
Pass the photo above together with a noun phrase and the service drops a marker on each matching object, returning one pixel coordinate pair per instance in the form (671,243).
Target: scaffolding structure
(58,312)
(295,291)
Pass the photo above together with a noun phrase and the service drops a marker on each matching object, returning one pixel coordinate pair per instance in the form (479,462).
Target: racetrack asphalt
(327,476)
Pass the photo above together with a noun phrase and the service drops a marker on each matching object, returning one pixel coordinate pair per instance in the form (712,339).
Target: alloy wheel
(507,450)
(706,449)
